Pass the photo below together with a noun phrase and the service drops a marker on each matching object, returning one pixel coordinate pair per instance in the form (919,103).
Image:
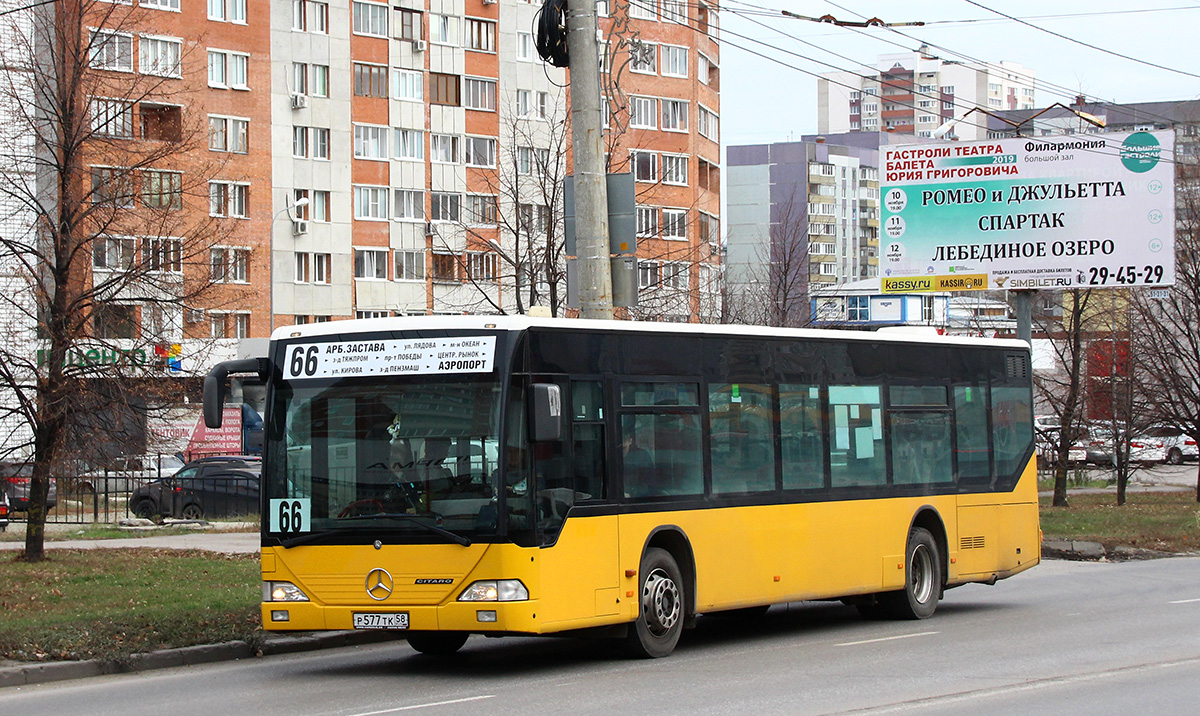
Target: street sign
(1090,210)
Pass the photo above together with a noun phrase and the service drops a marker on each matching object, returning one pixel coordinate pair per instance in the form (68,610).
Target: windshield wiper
(415,519)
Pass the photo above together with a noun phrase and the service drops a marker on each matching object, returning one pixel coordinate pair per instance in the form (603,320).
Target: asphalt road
(1064,638)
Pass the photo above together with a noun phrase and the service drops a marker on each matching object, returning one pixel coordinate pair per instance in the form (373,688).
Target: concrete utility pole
(587,146)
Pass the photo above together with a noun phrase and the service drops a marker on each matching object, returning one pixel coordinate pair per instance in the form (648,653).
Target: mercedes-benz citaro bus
(507,475)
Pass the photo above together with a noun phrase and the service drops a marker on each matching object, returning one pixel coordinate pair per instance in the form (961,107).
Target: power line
(1081,42)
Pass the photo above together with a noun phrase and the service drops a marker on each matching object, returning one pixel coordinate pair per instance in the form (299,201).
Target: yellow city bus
(446,476)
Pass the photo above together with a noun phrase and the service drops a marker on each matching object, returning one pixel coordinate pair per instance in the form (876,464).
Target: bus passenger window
(857,455)
(588,461)
(1012,428)
(741,437)
(660,455)
(921,448)
(803,431)
(970,419)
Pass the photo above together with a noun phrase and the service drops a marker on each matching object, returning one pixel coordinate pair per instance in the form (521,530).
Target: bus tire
(661,606)
(922,578)
(437,643)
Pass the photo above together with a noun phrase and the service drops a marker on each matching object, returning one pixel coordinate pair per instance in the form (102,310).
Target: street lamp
(301,202)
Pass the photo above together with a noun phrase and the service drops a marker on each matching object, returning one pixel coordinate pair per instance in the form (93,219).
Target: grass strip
(1164,521)
(108,604)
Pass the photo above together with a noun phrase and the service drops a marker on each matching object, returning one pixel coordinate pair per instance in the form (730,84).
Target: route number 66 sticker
(290,515)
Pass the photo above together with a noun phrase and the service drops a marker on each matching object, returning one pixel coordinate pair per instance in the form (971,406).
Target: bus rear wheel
(922,579)
(437,643)
(661,606)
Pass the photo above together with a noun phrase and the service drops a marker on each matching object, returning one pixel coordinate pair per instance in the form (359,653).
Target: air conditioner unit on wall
(299,101)
(418,45)
(299,228)
(195,315)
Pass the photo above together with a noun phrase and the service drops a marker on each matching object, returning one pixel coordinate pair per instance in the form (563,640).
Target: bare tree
(106,228)
(1167,342)
(777,293)
(1063,389)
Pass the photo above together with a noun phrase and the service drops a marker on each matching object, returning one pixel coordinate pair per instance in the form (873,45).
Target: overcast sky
(763,101)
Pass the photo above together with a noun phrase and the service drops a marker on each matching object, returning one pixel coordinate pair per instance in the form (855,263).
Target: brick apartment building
(367,159)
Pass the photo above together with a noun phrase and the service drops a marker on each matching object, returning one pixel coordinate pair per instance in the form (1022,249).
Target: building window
(161,4)
(370,202)
(320,268)
(299,78)
(228,199)
(707,124)
(319,87)
(112,117)
(643,9)
(480,151)
(408,144)
(370,80)
(443,30)
(110,50)
(370,142)
(409,205)
(647,221)
(113,186)
(319,208)
(407,24)
(481,266)
(674,223)
(369,19)
(524,47)
(228,265)
(320,142)
(410,265)
(443,148)
(444,89)
(303,268)
(675,169)
(444,206)
(645,166)
(858,308)
(228,134)
(533,161)
(674,115)
(162,190)
(643,112)
(675,275)
(444,267)
(674,61)
(161,56)
(479,94)
(228,70)
(369,314)
(112,253)
(481,35)
(161,122)
(649,274)
(370,264)
(481,209)
(927,309)
(300,142)
(644,58)
(534,218)
(113,320)
(408,85)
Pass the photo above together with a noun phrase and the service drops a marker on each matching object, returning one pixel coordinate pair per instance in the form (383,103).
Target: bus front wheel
(923,578)
(661,606)
(437,643)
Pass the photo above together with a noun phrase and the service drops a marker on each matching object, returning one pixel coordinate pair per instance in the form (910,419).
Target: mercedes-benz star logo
(379,584)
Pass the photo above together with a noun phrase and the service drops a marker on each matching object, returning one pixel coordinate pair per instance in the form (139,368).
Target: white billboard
(1073,211)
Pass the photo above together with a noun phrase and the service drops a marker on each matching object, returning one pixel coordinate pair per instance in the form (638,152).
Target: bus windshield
(409,456)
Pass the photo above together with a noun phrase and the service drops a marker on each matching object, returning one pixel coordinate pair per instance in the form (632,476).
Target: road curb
(46,672)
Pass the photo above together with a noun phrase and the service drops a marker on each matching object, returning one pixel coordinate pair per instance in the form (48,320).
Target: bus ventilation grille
(972,542)
(1016,366)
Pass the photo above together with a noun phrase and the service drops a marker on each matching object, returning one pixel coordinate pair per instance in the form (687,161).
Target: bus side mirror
(214,385)
(545,412)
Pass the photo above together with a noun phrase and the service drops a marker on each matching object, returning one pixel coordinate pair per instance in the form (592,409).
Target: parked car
(126,473)
(1177,446)
(1046,441)
(15,478)
(3,512)
(1143,449)
(209,487)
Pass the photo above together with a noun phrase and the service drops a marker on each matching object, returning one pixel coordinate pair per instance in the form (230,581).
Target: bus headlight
(282,592)
(502,590)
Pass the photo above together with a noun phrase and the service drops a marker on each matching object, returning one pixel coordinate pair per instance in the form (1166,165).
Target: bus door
(580,553)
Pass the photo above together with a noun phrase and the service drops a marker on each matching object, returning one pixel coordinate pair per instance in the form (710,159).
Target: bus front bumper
(480,617)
